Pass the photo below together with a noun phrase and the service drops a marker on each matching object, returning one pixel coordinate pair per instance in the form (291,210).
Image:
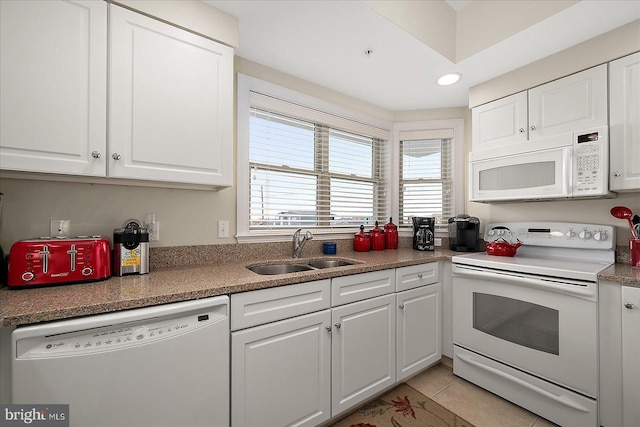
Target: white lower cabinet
(630,359)
(418,329)
(298,359)
(363,350)
(281,373)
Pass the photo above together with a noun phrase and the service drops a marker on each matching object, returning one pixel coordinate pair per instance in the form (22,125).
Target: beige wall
(598,50)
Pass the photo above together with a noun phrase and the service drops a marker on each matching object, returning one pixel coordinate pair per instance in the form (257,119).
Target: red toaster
(47,261)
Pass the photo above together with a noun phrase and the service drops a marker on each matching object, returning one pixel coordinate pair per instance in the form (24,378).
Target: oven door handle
(562,399)
(566,287)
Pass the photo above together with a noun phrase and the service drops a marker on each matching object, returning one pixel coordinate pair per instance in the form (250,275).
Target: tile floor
(476,405)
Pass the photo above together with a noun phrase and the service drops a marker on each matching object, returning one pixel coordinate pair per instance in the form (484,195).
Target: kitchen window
(304,163)
(430,173)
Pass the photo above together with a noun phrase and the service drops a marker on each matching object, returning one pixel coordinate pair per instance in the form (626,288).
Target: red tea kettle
(501,247)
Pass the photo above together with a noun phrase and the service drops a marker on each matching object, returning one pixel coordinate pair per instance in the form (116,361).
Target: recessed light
(449,79)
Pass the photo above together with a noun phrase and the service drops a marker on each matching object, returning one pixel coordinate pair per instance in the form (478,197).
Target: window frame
(457,167)
(246,85)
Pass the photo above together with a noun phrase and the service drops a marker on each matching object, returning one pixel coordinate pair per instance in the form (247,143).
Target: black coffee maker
(463,233)
(423,233)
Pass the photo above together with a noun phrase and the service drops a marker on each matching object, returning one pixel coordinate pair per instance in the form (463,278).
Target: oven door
(543,174)
(544,326)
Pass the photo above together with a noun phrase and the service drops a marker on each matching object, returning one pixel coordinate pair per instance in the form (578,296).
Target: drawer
(358,287)
(415,276)
(269,305)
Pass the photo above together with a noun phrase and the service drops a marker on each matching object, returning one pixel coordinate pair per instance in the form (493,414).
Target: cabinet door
(630,359)
(363,351)
(418,329)
(500,123)
(53,81)
(281,373)
(624,122)
(171,100)
(574,103)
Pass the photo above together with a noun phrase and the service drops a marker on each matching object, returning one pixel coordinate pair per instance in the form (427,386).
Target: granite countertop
(623,274)
(173,284)
(180,283)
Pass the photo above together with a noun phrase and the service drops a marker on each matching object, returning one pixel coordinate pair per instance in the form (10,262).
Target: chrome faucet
(299,241)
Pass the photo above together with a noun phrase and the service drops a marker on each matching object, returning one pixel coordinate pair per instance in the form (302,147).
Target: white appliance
(525,327)
(165,365)
(571,165)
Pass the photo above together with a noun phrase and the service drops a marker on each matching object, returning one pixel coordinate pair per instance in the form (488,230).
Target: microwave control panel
(590,159)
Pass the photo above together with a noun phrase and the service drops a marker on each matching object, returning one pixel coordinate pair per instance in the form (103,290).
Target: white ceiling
(323,42)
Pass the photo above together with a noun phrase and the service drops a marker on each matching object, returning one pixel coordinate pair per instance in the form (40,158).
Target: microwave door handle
(558,398)
(573,289)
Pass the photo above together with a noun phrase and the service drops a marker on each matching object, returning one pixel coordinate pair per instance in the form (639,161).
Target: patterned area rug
(403,406)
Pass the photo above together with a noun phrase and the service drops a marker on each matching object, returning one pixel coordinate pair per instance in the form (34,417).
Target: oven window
(516,321)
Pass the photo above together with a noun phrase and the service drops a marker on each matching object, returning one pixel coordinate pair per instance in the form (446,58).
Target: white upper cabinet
(574,103)
(171,103)
(624,130)
(500,122)
(53,81)
(170,95)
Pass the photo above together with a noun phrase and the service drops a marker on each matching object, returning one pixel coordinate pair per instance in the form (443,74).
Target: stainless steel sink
(268,269)
(330,263)
(292,267)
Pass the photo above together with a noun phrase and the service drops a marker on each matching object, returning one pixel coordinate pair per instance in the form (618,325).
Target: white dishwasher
(164,365)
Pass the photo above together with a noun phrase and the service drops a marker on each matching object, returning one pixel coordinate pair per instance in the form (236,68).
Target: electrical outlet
(223,228)
(59,227)
(153,228)
(437,241)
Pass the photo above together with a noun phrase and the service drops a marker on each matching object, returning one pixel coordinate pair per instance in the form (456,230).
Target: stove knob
(600,235)
(585,235)
(571,234)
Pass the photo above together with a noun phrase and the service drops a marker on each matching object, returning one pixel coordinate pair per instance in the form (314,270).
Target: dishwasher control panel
(112,337)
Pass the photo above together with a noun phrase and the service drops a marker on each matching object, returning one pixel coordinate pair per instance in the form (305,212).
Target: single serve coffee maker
(463,233)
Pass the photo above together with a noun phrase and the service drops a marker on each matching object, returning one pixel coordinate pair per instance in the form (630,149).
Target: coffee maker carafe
(423,233)
(463,233)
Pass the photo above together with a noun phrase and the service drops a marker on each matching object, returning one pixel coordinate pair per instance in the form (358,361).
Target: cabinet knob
(532,128)
(401,306)
(337,325)
(617,174)
(420,276)
(328,328)
(96,154)
(629,305)
(116,156)
(521,130)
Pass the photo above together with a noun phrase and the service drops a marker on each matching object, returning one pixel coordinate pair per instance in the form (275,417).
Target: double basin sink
(296,267)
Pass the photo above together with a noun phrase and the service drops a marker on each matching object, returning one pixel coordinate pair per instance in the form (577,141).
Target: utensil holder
(634,252)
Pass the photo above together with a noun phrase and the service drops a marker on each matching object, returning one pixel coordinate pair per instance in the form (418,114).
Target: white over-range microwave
(571,165)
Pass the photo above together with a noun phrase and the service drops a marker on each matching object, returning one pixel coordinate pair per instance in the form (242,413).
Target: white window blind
(310,173)
(426,175)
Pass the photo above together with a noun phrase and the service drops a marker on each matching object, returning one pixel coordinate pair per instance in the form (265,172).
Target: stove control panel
(553,234)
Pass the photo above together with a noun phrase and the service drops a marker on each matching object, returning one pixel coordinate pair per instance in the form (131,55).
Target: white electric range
(525,327)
